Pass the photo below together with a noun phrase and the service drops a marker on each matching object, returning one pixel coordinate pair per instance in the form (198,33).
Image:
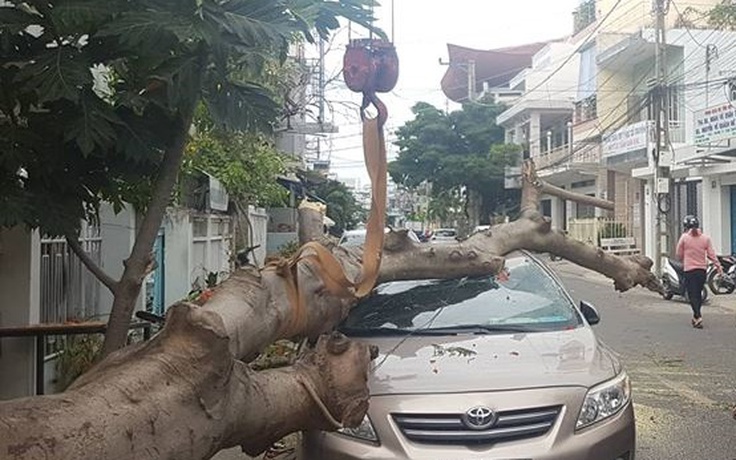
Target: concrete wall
(117,232)
(177,255)
(19,305)
(717,211)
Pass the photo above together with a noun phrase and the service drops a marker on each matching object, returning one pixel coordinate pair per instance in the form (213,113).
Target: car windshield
(525,299)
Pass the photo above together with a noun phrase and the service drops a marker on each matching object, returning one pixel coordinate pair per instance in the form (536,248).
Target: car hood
(477,363)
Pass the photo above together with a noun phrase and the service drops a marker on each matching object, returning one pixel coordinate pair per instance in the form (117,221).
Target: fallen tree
(188,392)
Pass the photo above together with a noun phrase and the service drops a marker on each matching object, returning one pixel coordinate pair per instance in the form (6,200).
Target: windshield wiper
(483,329)
(390,332)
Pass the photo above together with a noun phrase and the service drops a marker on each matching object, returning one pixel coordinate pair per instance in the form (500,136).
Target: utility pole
(662,151)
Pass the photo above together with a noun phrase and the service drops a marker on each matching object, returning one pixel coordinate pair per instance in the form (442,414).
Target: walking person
(694,249)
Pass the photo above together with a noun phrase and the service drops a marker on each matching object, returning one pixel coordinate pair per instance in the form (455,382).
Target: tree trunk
(188,393)
(141,263)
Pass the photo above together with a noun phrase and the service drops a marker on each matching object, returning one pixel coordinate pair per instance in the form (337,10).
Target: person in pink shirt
(694,249)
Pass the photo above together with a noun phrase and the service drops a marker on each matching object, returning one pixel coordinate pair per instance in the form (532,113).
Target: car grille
(450,428)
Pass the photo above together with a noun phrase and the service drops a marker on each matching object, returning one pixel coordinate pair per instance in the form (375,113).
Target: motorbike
(673,280)
(726,283)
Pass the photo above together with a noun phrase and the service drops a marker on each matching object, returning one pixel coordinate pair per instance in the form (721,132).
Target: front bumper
(610,439)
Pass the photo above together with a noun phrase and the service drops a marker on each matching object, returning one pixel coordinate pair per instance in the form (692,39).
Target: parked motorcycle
(673,280)
(726,283)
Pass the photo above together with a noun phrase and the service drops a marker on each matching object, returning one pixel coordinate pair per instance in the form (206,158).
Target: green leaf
(71,17)
(160,29)
(58,73)
(95,126)
(180,76)
(240,105)
(253,23)
(13,20)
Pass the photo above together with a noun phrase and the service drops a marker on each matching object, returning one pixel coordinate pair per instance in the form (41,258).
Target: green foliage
(723,16)
(289,249)
(94,92)
(246,163)
(342,206)
(78,356)
(463,148)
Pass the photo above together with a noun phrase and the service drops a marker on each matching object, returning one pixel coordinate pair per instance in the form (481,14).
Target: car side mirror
(590,313)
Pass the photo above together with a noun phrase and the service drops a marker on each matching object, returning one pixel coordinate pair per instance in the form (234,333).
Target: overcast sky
(423,28)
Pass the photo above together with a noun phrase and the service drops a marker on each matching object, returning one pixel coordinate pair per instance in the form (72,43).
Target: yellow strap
(324,262)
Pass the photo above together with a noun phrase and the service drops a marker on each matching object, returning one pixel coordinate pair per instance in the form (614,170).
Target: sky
(421,31)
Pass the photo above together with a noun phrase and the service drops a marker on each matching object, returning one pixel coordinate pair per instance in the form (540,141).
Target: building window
(588,76)
(587,109)
(674,101)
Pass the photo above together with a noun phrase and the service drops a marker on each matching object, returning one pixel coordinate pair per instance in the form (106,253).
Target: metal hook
(371,98)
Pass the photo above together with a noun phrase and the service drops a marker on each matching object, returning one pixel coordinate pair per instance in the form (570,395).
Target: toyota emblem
(479,418)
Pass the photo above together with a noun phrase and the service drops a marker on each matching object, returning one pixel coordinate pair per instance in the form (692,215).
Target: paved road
(684,379)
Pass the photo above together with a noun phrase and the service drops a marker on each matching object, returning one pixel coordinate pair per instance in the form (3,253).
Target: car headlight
(604,400)
(364,431)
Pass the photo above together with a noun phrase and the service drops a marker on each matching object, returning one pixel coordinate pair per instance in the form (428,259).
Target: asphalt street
(684,379)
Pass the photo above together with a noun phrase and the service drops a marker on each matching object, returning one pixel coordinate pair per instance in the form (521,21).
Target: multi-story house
(597,138)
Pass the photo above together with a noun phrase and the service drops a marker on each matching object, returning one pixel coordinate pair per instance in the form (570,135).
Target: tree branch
(553,190)
(534,187)
(95,269)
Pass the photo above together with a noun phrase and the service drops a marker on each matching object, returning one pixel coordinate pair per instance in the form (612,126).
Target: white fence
(258,233)
(591,231)
(211,247)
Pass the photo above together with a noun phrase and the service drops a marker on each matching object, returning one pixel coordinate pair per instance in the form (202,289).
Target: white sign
(715,124)
(630,138)
(218,195)
(512,177)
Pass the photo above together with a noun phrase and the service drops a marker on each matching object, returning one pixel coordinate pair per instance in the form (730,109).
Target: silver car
(487,368)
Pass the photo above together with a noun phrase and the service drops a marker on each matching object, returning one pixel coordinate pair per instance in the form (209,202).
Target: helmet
(690,222)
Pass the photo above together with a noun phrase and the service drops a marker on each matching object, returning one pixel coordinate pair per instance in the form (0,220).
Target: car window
(528,296)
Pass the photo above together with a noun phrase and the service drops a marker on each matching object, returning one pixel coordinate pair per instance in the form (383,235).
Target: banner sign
(715,124)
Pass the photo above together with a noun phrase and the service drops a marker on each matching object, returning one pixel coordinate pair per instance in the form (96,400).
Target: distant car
(444,235)
(484,368)
(357,237)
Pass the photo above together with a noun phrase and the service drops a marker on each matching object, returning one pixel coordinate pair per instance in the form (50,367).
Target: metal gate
(69,292)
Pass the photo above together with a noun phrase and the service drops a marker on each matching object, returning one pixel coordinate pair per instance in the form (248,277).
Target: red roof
(496,67)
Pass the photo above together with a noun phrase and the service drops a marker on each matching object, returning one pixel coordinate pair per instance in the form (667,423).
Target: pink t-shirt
(693,250)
